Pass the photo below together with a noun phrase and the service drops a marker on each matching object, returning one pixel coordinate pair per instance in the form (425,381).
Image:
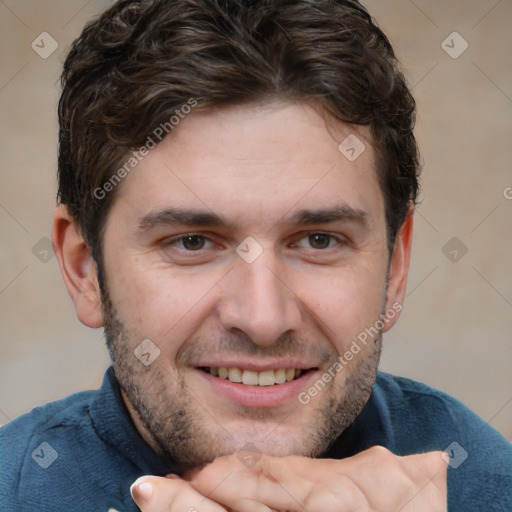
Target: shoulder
(419,398)
(419,413)
(422,418)
(44,437)
(70,406)
(67,412)
(403,389)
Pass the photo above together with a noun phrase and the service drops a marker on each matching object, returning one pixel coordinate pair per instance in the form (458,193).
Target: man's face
(309,276)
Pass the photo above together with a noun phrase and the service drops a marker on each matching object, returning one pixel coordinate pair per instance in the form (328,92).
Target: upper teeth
(252,378)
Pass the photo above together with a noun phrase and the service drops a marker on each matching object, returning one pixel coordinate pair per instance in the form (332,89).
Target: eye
(190,242)
(318,241)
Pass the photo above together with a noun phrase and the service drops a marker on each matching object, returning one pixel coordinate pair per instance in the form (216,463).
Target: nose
(258,302)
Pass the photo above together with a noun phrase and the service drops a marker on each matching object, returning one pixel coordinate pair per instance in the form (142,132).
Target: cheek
(346,302)
(157,303)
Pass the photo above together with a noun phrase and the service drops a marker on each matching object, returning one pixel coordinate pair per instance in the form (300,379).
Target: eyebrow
(342,213)
(203,218)
(171,216)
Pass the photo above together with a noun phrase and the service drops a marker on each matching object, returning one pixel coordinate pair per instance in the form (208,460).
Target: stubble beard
(185,436)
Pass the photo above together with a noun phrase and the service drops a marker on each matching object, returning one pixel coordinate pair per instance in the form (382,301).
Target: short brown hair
(141,60)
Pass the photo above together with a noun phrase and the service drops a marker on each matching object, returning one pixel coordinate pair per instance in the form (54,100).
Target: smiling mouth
(254,378)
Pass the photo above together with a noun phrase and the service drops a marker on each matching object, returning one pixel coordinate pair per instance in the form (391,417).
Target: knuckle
(381,453)
(434,463)
(382,457)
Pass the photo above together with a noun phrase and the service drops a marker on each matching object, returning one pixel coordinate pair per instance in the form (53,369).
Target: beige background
(455,328)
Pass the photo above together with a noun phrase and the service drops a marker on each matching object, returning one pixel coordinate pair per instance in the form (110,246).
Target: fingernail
(143,488)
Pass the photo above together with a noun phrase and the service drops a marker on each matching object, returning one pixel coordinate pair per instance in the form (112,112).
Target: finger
(170,494)
(425,465)
(301,484)
(273,482)
(373,479)
(407,483)
(429,471)
(248,505)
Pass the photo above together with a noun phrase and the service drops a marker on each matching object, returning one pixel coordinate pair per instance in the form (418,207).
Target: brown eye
(193,242)
(319,241)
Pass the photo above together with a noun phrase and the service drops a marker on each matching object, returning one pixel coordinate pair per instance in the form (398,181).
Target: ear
(398,271)
(77,267)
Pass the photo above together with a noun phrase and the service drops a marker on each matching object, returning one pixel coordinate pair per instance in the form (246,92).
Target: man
(237,182)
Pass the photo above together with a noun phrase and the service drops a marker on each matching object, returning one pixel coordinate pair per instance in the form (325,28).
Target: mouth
(248,377)
(255,384)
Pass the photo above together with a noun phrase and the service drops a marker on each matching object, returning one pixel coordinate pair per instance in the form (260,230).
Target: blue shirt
(82,453)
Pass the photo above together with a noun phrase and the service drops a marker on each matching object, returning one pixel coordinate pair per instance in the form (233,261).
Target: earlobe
(77,267)
(398,271)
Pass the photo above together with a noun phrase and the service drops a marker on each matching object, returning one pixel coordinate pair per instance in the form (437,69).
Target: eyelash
(180,238)
(176,240)
(332,238)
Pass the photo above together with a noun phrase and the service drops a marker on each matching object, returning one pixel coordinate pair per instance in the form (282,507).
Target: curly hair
(142,60)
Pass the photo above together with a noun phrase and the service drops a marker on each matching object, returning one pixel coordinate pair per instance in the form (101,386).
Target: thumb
(150,493)
(170,494)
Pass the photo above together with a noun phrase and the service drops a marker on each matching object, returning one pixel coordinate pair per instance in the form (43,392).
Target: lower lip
(258,396)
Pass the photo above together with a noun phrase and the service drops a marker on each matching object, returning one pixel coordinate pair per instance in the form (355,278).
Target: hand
(158,494)
(374,480)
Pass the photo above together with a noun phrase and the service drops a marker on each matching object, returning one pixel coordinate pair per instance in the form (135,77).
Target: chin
(276,438)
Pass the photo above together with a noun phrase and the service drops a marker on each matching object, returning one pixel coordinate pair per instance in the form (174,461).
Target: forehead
(257,161)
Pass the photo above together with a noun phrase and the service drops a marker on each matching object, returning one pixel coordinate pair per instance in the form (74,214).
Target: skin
(299,304)
(373,480)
